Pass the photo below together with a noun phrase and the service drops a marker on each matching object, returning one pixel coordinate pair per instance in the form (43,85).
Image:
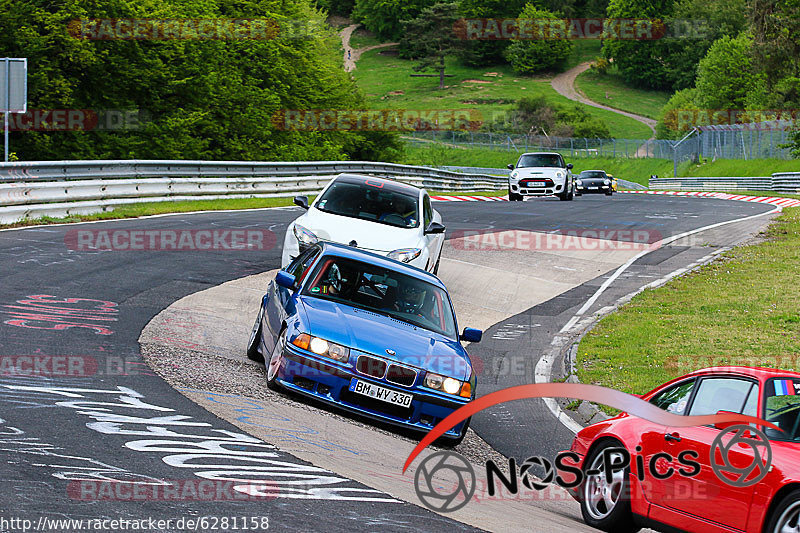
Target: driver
(332,282)
(410,297)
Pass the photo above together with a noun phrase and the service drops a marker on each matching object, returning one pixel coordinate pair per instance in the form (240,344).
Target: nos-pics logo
(445,481)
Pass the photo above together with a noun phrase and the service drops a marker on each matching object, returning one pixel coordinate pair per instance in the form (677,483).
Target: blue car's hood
(374,333)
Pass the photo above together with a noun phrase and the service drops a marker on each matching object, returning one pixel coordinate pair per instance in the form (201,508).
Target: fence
(738,141)
(574,147)
(63,188)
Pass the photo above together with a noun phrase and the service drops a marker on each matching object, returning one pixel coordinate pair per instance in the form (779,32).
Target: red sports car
(709,478)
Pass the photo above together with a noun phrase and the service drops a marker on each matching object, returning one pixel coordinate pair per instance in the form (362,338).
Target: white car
(378,215)
(540,174)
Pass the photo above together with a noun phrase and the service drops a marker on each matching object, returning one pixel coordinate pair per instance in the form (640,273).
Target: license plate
(534,184)
(593,188)
(380,393)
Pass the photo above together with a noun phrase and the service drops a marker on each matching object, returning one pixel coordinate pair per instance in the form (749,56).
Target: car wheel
(513,197)
(786,516)
(275,360)
(604,505)
(255,339)
(609,193)
(452,442)
(563,197)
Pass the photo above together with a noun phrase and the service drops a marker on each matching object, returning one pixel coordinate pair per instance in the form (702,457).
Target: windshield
(589,174)
(782,408)
(365,202)
(540,160)
(383,291)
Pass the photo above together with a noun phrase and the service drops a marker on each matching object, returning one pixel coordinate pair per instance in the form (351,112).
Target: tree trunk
(441,71)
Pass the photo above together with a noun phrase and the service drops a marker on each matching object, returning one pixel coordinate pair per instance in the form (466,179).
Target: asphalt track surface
(103,422)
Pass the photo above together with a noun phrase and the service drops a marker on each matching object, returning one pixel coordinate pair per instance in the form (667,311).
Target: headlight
(607,182)
(304,236)
(404,255)
(322,347)
(559,174)
(514,175)
(579,182)
(448,385)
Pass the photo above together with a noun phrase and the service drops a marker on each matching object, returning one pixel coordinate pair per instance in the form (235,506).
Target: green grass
(585,50)
(160,208)
(738,167)
(620,96)
(741,310)
(362,38)
(379,75)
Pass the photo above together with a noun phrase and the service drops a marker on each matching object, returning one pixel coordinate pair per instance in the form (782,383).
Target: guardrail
(787,182)
(63,188)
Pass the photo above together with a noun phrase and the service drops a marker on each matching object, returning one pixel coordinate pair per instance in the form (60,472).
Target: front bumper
(329,381)
(524,187)
(589,189)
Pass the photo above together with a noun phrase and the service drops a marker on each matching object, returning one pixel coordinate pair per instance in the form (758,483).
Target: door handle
(672,436)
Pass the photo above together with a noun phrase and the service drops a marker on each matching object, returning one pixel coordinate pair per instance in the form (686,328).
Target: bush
(538,55)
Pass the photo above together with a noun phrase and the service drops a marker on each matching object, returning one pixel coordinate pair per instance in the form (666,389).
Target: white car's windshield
(383,291)
(385,205)
(540,160)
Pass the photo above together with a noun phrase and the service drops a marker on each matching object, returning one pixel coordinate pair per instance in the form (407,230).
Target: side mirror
(510,167)
(434,227)
(725,425)
(285,280)
(302,201)
(471,335)
(569,166)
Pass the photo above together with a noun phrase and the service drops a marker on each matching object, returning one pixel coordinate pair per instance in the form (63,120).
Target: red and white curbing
(469,198)
(772,200)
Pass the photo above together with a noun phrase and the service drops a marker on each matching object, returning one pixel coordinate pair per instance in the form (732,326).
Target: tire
(275,359)
(609,193)
(452,442)
(606,506)
(255,339)
(787,513)
(564,197)
(513,197)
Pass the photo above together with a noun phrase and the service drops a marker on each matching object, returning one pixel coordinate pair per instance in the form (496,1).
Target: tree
(384,17)
(425,39)
(207,99)
(725,75)
(480,53)
(545,51)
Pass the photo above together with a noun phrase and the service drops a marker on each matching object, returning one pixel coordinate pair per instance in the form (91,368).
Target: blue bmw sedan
(369,334)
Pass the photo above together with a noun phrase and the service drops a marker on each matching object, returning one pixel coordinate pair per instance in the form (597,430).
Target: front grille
(401,375)
(370,366)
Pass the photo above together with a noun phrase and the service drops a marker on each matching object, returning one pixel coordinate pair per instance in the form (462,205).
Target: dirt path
(352,55)
(564,84)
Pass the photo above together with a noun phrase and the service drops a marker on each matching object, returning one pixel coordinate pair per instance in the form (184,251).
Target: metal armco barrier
(788,182)
(63,188)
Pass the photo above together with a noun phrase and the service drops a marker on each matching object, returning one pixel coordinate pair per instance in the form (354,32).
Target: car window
(720,394)
(592,174)
(782,408)
(427,211)
(383,291)
(299,267)
(540,160)
(675,398)
(366,202)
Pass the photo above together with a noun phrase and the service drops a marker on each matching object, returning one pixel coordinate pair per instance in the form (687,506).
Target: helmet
(333,277)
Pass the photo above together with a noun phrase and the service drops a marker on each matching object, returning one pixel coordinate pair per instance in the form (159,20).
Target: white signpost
(13,90)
